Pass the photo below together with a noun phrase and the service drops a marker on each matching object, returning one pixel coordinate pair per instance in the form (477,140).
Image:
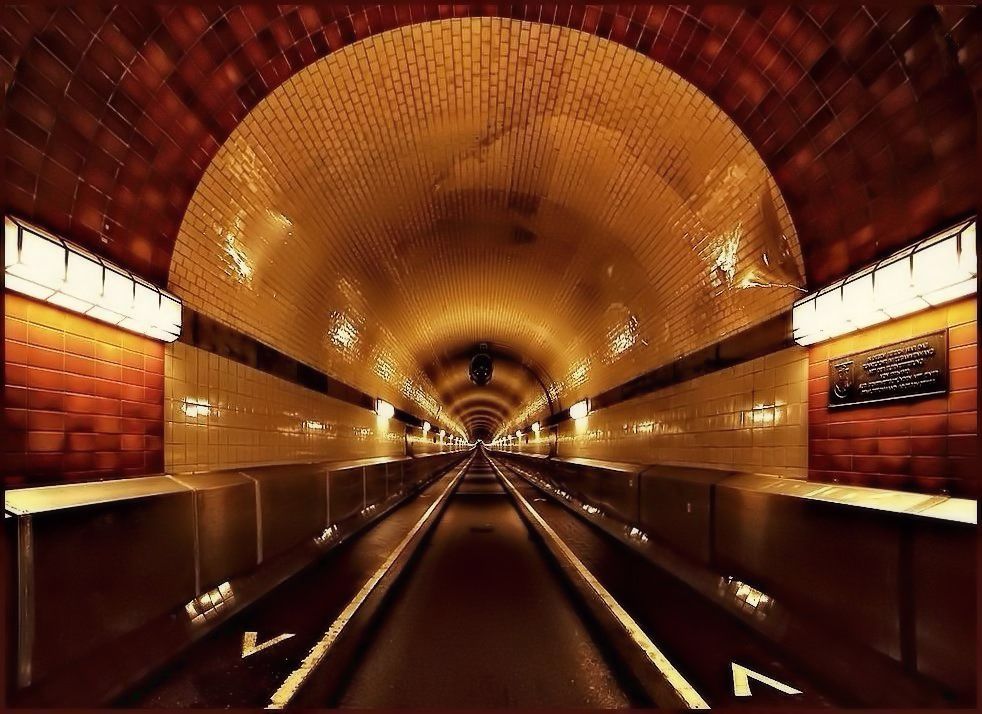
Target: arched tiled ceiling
(864,115)
(504,397)
(514,380)
(480,179)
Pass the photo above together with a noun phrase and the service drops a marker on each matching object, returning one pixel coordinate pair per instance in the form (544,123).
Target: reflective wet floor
(483,620)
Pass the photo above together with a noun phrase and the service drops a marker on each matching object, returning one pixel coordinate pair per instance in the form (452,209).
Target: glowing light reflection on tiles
(622,338)
(196,407)
(210,605)
(745,597)
(343,333)
(327,535)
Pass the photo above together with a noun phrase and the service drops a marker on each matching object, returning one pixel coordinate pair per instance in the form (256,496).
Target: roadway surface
(483,620)
(480,616)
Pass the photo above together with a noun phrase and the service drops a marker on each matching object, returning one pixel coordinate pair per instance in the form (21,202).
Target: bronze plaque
(903,370)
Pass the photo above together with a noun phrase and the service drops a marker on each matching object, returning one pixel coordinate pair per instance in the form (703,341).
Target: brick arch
(865,118)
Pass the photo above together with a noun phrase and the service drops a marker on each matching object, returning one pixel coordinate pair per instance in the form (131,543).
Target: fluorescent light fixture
(580,409)
(931,272)
(536,427)
(45,267)
(384,409)
(426,427)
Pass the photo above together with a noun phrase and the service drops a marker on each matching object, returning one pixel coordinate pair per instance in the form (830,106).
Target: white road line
(741,681)
(685,691)
(250,643)
(291,685)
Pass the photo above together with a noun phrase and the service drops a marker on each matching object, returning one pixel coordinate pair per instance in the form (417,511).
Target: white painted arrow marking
(249,646)
(741,681)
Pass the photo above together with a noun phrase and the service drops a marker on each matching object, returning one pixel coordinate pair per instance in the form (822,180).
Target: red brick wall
(928,445)
(82,399)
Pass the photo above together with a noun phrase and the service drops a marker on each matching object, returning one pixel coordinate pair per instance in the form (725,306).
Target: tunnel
(490,355)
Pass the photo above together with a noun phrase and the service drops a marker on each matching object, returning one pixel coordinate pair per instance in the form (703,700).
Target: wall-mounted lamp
(384,409)
(518,434)
(536,427)
(45,267)
(931,272)
(443,433)
(426,427)
(580,409)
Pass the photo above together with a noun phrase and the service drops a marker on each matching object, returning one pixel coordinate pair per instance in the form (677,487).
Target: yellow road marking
(685,691)
(291,685)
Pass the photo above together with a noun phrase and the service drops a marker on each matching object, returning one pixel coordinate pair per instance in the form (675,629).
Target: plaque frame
(940,360)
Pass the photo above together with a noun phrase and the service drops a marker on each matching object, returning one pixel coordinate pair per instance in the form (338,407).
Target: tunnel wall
(254,418)
(541,444)
(82,400)
(418,445)
(924,445)
(749,417)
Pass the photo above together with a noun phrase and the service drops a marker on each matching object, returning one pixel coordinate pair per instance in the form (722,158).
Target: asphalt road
(482,621)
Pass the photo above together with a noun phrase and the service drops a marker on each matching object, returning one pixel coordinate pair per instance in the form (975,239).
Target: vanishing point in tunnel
(490,355)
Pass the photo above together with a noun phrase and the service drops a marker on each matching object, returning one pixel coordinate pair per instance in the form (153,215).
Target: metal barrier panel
(942,579)
(347,487)
(292,502)
(676,506)
(95,562)
(226,527)
(374,484)
(840,565)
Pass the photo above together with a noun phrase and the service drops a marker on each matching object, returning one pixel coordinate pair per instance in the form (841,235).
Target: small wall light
(384,409)
(580,409)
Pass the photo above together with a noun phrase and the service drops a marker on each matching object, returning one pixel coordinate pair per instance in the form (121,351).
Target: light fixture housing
(580,409)
(931,272)
(45,267)
(384,409)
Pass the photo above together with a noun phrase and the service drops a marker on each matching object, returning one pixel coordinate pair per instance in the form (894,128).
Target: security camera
(482,366)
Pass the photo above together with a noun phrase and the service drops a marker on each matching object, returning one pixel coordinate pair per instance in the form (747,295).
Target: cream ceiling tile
(486,180)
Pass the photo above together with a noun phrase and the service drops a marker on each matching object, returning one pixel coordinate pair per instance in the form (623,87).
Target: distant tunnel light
(426,427)
(44,267)
(384,409)
(536,427)
(580,409)
(518,433)
(443,433)
(931,272)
